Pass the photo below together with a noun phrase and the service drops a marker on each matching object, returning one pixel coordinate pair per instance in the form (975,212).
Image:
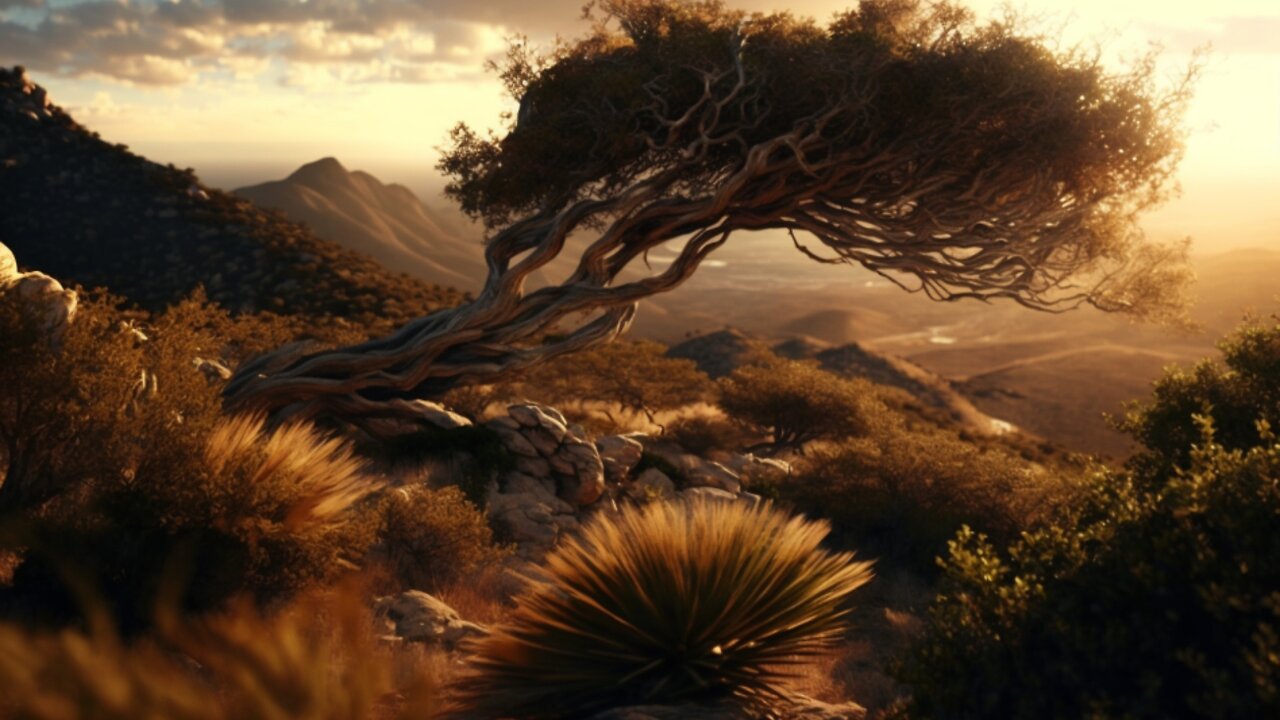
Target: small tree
(796,403)
(957,159)
(638,376)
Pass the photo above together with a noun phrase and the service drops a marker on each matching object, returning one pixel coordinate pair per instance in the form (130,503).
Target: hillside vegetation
(93,213)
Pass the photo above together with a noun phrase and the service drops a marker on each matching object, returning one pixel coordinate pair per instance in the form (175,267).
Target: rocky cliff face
(91,212)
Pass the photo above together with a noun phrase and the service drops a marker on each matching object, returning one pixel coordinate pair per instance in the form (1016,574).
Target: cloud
(1237,34)
(169,42)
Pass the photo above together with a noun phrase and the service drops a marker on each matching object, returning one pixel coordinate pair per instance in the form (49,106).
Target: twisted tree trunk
(926,204)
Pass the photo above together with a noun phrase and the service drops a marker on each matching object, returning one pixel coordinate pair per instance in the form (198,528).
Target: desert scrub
(433,537)
(666,603)
(796,403)
(903,494)
(469,457)
(242,511)
(1157,598)
(315,658)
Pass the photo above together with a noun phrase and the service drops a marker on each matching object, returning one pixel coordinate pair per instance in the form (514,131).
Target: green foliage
(797,403)
(433,537)
(587,104)
(665,603)
(638,376)
(904,494)
(1154,597)
(1235,393)
(315,659)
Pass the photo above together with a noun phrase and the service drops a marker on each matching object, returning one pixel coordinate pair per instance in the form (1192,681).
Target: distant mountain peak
(386,222)
(324,169)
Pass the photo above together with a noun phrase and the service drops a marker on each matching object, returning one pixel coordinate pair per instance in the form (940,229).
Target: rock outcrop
(43,298)
(556,477)
(415,616)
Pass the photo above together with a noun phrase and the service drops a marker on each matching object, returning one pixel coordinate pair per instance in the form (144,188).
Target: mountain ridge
(92,212)
(387,222)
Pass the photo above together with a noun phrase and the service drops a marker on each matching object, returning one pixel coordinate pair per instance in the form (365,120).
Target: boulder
(584,483)
(529,515)
(436,414)
(8,266)
(709,494)
(512,438)
(706,473)
(531,415)
(620,454)
(43,298)
(752,467)
(535,466)
(415,616)
(518,483)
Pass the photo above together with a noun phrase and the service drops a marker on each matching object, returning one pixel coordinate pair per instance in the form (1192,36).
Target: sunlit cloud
(170,42)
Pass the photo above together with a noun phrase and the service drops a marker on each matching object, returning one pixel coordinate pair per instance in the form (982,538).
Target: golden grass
(666,603)
(317,659)
(328,476)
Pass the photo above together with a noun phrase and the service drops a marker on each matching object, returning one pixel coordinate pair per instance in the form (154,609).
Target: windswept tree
(958,159)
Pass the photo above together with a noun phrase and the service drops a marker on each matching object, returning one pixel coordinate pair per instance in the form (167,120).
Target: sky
(246,90)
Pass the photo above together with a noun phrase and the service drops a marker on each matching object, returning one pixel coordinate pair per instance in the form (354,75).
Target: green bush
(1235,393)
(903,494)
(1156,595)
(795,403)
(433,537)
(665,603)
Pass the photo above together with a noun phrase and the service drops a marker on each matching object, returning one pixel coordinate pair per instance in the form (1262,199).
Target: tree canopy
(957,158)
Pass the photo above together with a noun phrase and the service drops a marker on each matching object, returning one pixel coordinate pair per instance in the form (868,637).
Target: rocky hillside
(720,353)
(90,212)
(386,222)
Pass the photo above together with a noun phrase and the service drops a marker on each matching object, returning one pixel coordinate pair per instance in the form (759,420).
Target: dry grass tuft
(327,476)
(667,603)
(316,659)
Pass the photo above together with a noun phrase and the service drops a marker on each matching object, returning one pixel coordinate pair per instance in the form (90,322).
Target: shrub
(665,603)
(701,434)
(1156,598)
(239,512)
(474,455)
(1235,393)
(434,537)
(904,494)
(117,384)
(796,403)
(316,659)
(637,376)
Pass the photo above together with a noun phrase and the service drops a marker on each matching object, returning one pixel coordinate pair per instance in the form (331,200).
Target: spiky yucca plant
(666,603)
